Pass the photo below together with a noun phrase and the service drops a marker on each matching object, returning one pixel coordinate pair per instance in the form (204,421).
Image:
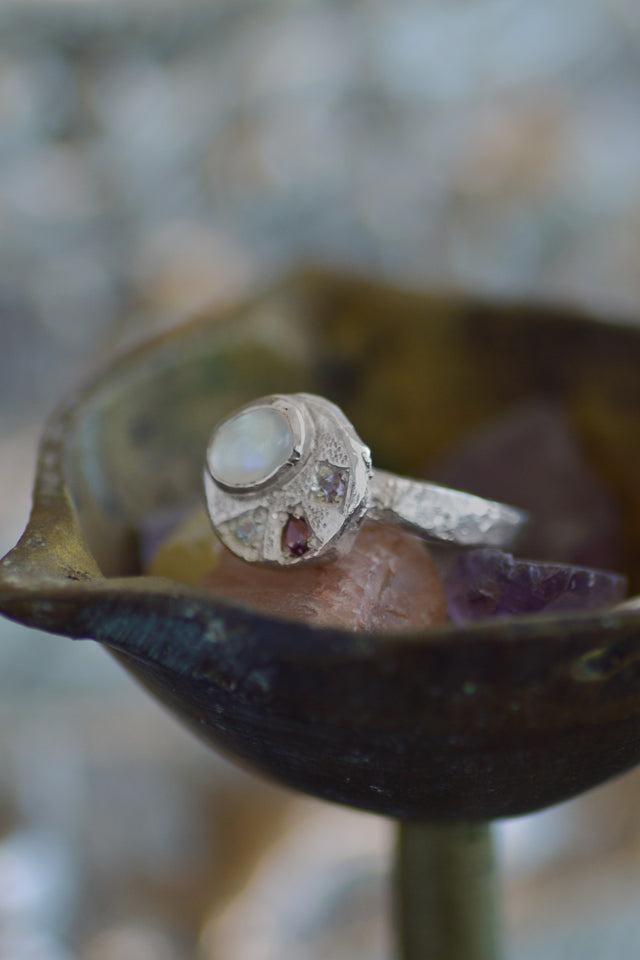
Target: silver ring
(288,481)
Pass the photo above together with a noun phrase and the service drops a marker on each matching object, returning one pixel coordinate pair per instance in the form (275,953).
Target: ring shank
(444,515)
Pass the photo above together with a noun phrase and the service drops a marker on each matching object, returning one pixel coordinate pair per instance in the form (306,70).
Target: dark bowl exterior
(460,723)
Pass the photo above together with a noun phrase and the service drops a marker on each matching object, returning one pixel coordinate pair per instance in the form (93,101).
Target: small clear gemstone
(251,446)
(329,484)
(295,536)
(246,530)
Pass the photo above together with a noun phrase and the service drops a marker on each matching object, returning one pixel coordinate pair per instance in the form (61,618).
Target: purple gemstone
(295,536)
(490,583)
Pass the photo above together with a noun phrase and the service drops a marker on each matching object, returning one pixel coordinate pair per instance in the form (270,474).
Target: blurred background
(156,159)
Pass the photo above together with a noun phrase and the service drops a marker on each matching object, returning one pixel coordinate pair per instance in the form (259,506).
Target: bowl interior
(413,372)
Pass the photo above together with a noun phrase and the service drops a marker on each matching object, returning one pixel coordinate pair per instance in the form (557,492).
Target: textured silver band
(441,514)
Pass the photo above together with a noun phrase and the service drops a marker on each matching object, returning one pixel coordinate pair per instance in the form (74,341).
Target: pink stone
(387,583)
(295,536)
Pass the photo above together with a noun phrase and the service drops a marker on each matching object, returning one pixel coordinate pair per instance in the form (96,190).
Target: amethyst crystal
(490,583)
(531,457)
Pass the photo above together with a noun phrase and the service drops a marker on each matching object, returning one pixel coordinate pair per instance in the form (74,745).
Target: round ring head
(287,480)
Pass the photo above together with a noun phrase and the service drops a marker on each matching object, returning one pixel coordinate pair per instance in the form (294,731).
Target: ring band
(288,480)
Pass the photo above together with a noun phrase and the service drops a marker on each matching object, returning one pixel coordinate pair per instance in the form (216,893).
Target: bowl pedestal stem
(446,896)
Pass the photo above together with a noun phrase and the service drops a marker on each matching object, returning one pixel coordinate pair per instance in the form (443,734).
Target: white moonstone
(251,446)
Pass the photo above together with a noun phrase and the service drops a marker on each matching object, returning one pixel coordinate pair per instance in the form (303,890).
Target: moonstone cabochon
(251,446)
(464,722)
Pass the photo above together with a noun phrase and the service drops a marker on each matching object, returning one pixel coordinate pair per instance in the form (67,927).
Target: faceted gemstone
(329,484)
(246,529)
(295,536)
(491,583)
(251,446)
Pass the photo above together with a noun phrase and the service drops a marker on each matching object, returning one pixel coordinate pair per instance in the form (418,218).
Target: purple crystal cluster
(491,583)
(533,458)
